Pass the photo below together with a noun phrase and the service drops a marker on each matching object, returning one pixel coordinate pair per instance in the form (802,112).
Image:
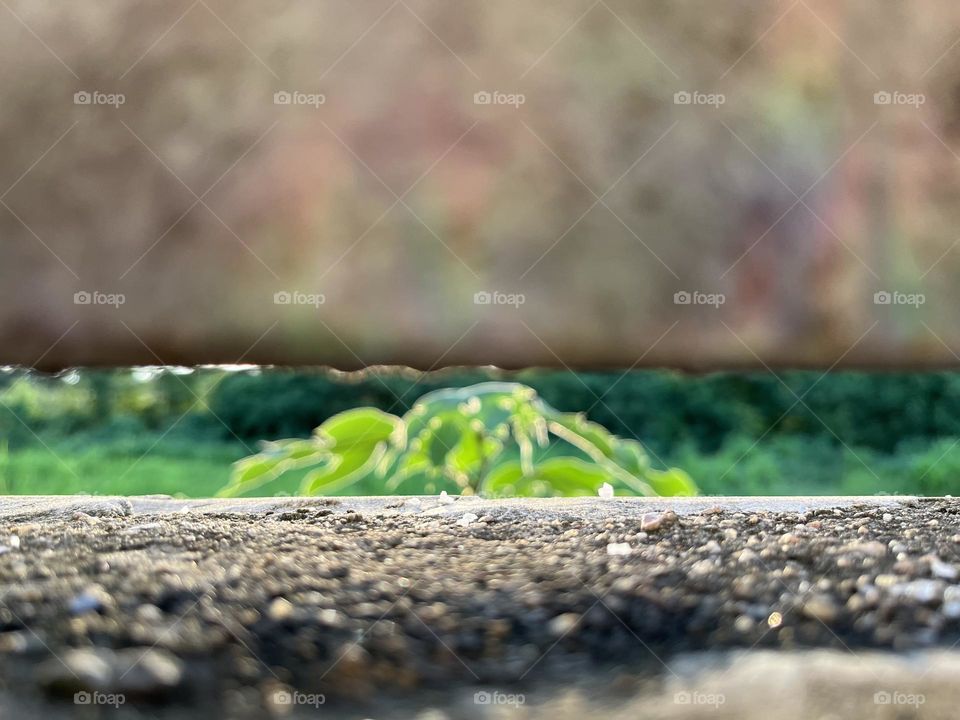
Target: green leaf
(631,456)
(409,471)
(343,469)
(593,433)
(466,457)
(501,477)
(360,427)
(250,473)
(570,476)
(495,438)
(672,482)
(442,435)
(296,453)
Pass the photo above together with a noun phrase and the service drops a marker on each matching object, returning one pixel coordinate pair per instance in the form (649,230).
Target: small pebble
(743,624)
(702,568)
(712,547)
(942,570)
(651,522)
(822,608)
(280,609)
(563,624)
(619,549)
(93,599)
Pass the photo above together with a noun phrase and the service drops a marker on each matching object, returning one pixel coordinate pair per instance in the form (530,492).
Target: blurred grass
(782,466)
(37,471)
(805,466)
(147,431)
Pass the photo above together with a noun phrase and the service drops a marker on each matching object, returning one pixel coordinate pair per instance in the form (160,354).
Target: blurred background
(598,184)
(177,431)
(586,187)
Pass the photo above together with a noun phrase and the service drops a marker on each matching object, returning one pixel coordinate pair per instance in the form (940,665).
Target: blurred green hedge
(667,411)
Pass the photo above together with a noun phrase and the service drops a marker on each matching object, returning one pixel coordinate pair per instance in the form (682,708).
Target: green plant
(494,439)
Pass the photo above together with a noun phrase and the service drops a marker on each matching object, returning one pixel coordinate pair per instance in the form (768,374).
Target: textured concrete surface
(60,505)
(435,608)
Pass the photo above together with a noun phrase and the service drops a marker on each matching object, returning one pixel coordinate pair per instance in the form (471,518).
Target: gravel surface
(381,608)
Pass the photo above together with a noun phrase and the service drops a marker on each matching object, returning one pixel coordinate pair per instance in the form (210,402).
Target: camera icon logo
(882,297)
(682,698)
(82,97)
(682,98)
(282,97)
(681,297)
(282,297)
(282,697)
(82,698)
(482,298)
(882,698)
(482,98)
(82,298)
(882,98)
(482,698)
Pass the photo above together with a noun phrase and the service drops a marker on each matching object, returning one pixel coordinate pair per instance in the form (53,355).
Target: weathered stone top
(594,508)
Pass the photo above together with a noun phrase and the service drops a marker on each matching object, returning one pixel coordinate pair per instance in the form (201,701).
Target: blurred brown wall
(781,164)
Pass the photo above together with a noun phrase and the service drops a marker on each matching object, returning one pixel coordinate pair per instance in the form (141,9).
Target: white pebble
(606,491)
(940,569)
(619,549)
(467,519)
(280,609)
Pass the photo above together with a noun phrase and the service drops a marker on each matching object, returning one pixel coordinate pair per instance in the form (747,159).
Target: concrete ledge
(395,606)
(593,508)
